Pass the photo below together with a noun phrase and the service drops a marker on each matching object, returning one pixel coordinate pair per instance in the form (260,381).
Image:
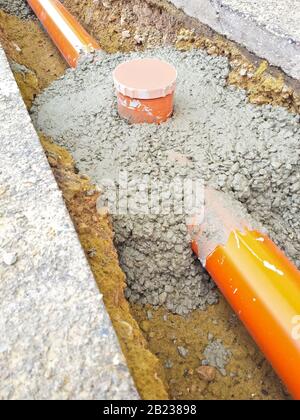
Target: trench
(165,331)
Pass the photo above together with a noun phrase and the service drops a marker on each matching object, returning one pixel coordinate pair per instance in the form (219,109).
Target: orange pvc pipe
(145,90)
(68,35)
(149,111)
(263,288)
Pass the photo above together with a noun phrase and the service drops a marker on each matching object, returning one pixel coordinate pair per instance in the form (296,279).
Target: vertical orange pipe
(263,288)
(67,34)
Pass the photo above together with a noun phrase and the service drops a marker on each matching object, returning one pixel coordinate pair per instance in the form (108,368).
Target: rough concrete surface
(269,28)
(56,341)
(215,135)
(280,16)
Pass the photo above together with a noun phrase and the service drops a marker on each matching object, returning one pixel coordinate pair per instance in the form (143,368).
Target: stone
(207,373)
(9,258)
(182,351)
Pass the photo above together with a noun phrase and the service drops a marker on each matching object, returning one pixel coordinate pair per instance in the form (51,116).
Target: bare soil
(25,43)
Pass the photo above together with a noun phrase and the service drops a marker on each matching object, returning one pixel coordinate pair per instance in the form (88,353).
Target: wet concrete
(247,151)
(18,8)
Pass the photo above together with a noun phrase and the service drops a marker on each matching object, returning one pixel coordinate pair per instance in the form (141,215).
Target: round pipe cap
(146,78)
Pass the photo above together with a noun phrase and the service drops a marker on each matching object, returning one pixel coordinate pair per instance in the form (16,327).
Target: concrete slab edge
(278,48)
(56,341)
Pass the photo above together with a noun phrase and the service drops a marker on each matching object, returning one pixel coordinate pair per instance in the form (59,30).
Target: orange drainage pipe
(67,34)
(256,278)
(145,90)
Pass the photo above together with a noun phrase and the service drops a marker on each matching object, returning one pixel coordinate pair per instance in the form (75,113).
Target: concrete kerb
(270,29)
(57,341)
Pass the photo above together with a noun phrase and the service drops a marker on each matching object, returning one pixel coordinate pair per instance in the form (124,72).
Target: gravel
(168,364)
(250,152)
(216,355)
(19,8)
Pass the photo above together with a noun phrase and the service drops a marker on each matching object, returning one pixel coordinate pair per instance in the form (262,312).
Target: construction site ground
(164,350)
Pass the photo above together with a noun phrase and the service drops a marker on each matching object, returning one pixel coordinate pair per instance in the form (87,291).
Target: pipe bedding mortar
(19,8)
(247,151)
